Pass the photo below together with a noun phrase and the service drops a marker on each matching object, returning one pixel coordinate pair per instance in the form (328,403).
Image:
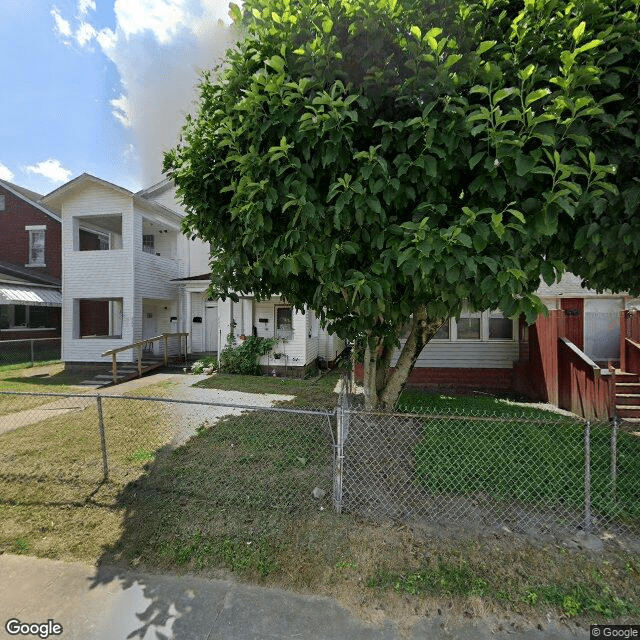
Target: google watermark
(598,631)
(15,627)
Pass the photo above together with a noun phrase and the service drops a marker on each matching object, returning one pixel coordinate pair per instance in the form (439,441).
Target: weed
(21,546)
(141,455)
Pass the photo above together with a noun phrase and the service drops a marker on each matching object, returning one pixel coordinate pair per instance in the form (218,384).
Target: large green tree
(387,161)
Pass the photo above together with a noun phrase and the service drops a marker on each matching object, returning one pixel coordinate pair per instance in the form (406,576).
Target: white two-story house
(129,273)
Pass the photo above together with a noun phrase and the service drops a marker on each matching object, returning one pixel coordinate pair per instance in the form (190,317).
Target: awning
(30,296)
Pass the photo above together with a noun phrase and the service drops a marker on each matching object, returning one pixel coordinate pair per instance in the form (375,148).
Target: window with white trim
(36,246)
(500,327)
(284,323)
(486,326)
(3,203)
(148,243)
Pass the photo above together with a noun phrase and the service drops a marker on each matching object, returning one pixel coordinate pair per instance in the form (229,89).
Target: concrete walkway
(111,604)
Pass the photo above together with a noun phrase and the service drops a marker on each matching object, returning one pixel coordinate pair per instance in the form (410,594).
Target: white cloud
(121,110)
(62,26)
(85,34)
(84,6)
(50,169)
(158,81)
(162,17)
(5,173)
(107,39)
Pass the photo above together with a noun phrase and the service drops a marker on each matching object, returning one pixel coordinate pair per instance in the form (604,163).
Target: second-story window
(36,246)
(148,243)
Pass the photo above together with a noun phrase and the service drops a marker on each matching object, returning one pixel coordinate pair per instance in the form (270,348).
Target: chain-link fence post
(614,456)
(103,441)
(339,452)
(33,359)
(587,477)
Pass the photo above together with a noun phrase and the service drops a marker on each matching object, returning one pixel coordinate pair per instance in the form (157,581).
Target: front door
(574,320)
(211,323)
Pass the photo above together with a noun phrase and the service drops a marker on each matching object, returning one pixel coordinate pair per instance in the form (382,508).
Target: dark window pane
(469,328)
(500,328)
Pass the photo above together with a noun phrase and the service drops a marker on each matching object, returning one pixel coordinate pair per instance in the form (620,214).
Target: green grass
(530,462)
(590,595)
(50,378)
(314,392)
(415,400)
(237,497)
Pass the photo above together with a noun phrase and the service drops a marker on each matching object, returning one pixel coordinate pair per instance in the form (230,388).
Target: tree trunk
(423,329)
(383,388)
(371,354)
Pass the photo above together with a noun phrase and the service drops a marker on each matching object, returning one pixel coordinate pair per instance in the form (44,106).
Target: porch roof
(29,296)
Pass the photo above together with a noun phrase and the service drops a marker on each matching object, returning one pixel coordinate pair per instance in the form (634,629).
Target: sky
(100,86)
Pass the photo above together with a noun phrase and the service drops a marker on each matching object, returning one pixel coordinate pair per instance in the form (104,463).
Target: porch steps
(125,371)
(628,396)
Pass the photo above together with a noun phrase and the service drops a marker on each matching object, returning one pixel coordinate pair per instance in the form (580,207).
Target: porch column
(188,326)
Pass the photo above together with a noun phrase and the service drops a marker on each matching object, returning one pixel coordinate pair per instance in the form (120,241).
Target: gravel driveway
(188,417)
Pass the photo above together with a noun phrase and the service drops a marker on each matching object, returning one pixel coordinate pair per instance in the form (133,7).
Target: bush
(200,365)
(243,359)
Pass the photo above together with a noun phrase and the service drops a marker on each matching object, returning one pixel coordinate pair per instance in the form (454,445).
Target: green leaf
(234,12)
(465,240)
(534,96)
(578,31)
(452,59)
(327,25)
(275,17)
(479,88)
(517,214)
(501,94)
(473,161)
(415,31)
(548,273)
(589,45)
(524,163)
(527,72)
(484,46)
(432,42)
(496,224)
(277,63)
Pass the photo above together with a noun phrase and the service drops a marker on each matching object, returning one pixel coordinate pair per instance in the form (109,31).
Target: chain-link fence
(31,350)
(551,474)
(253,464)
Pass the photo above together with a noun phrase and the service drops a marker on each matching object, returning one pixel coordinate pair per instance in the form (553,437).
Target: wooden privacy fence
(583,387)
(630,341)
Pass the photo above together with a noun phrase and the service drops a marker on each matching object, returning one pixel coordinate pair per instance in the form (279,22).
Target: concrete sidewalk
(111,604)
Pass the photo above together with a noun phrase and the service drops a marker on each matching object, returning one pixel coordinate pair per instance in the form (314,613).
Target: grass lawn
(424,402)
(314,392)
(51,378)
(237,498)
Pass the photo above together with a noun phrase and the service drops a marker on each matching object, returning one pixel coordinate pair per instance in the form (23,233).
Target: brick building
(30,265)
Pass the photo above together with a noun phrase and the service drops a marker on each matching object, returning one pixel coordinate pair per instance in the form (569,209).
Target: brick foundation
(457,380)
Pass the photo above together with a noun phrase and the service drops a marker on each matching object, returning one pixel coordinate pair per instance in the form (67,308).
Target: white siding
(467,354)
(95,274)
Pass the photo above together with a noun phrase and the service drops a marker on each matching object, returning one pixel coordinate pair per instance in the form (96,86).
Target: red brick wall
(14,240)
(457,380)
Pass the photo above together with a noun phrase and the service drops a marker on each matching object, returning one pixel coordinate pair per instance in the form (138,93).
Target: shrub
(243,359)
